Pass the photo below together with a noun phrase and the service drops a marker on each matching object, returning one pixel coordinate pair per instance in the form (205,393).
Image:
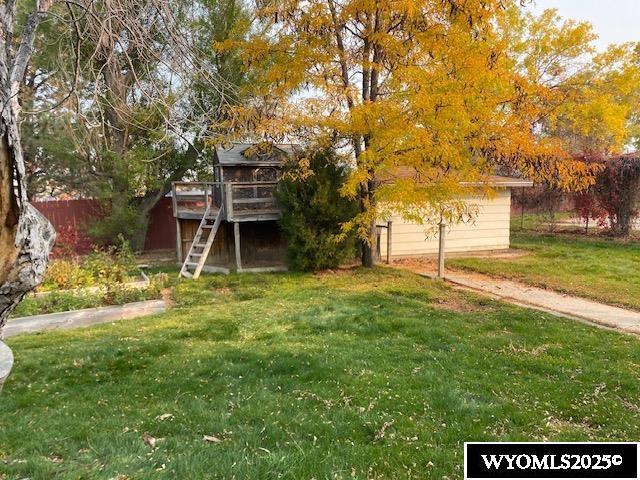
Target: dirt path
(534,297)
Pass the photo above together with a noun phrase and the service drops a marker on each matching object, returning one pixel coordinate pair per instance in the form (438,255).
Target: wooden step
(186,274)
(191,264)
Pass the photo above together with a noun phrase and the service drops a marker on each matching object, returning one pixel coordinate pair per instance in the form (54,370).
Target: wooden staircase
(201,245)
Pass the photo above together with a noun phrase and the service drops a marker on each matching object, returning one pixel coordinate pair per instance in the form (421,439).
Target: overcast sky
(615,21)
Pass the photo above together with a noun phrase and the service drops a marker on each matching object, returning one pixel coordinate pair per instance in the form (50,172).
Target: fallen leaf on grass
(149,440)
(165,416)
(211,439)
(380,433)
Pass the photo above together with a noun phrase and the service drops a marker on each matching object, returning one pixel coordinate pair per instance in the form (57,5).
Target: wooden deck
(243,201)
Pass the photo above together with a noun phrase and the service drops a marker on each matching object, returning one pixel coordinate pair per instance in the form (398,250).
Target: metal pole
(441,250)
(389,223)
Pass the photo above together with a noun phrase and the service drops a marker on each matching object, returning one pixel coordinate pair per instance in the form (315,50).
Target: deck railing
(192,198)
(242,200)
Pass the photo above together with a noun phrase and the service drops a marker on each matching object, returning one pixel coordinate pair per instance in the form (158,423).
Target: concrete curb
(82,318)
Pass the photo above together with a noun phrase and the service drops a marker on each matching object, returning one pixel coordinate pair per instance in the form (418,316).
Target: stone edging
(82,318)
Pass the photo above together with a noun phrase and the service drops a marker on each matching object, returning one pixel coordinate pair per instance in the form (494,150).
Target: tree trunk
(139,237)
(366,206)
(151,199)
(368,254)
(627,194)
(26,237)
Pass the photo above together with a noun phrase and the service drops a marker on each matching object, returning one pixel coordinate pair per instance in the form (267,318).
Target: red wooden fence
(77,214)
(162,227)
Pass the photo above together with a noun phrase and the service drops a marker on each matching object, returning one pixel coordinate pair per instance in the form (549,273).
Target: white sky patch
(615,21)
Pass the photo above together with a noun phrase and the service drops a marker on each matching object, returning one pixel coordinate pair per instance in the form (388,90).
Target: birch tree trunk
(26,237)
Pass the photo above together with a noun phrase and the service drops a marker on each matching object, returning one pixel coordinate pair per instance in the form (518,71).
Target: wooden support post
(179,241)
(236,235)
(441,250)
(174,198)
(389,225)
(228,201)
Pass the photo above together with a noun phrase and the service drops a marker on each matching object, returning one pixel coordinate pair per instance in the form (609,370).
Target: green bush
(124,221)
(65,274)
(314,210)
(115,264)
(57,302)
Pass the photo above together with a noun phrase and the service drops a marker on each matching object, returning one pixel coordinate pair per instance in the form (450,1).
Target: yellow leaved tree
(603,118)
(588,100)
(421,97)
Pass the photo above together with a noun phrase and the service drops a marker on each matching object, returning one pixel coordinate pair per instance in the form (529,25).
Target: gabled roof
(235,155)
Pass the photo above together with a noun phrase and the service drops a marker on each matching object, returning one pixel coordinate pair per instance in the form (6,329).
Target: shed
(487,232)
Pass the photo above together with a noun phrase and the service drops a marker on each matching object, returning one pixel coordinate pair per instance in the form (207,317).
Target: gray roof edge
(234,156)
(500,181)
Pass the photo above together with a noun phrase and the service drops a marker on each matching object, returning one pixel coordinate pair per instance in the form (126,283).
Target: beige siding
(489,230)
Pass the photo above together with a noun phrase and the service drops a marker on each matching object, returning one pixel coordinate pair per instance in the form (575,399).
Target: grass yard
(361,374)
(601,269)
(539,221)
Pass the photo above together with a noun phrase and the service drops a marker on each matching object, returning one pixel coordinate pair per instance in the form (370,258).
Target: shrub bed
(112,293)
(98,268)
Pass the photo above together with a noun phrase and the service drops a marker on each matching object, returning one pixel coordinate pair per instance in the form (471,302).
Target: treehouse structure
(231,222)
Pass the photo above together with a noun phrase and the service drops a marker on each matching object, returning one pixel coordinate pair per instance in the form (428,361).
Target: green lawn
(363,374)
(540,222)
(605,270)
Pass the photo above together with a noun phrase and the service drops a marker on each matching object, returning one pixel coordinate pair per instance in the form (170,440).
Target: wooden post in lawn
(441,249)
(389,225)
(522,208)
(236,236)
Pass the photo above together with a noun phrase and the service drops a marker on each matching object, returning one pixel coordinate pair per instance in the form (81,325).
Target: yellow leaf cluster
(446,90)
